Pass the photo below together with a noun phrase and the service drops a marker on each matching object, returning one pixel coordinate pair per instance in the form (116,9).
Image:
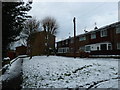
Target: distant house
(21,50)
(40,42)
(98,42)
(11,54)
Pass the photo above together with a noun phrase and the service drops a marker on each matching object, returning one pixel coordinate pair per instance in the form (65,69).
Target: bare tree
(50,26)
(31,26)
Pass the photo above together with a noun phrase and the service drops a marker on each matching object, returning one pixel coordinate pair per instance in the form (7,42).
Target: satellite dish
(95,26)
(85,30)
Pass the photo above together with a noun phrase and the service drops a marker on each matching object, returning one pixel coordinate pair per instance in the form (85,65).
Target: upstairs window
(117,30)
(82,38)
(62,42)
(59,44)
(103,33)
(93,35)
(72,41)
(66,41)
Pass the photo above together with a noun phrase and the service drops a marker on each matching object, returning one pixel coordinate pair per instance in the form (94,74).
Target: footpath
(12,78)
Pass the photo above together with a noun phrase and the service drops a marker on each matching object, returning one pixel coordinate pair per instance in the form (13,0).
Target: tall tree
(50,26)
(31,26)
(13,16)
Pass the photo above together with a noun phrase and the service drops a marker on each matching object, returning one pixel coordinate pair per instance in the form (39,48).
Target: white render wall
(93,47)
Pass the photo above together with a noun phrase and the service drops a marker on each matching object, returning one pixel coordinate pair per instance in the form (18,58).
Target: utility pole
(74,37)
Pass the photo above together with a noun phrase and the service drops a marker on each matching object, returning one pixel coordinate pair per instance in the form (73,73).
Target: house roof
(96,30)
(43,32)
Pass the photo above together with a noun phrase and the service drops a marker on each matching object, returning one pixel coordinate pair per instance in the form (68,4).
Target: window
(66,50)
(59,44)
(87,48)
(117,30)
(60,50)
(82,38)
(66,41)
(72,40)
(118,46)
(103,33)
(93,35)
(82,48)
(63,50)
(62,42)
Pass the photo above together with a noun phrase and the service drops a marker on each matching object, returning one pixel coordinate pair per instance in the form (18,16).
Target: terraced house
(104,41)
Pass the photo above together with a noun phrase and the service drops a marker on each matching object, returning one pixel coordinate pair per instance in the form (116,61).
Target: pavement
(12,78)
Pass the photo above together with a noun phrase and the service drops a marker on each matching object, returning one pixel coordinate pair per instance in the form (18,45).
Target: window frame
(118,30)
(72,40)
(93,35)
(86,49)
(82,38)
(103,33)
(66,42)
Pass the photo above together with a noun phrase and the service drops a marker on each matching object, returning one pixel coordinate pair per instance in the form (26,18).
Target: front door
(103,46)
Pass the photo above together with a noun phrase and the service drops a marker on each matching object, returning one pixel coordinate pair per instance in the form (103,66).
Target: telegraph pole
(74,21)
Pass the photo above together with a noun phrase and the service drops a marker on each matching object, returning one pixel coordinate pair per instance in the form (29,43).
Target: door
(103,46)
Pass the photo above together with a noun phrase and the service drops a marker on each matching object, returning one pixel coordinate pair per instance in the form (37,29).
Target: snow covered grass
(64,72)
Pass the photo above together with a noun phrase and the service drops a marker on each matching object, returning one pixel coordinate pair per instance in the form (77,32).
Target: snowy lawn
(64,72)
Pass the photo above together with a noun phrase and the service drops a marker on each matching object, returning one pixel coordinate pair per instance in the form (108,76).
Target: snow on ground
(64,72)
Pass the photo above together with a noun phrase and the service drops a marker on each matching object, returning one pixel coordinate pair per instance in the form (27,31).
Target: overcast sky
(86,13)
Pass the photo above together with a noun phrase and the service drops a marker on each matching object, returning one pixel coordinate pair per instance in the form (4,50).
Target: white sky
(86,13)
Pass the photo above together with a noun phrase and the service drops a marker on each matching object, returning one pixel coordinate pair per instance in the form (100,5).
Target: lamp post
(74,21)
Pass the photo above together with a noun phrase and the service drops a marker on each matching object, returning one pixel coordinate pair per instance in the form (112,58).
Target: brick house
(102,41)
(39,43)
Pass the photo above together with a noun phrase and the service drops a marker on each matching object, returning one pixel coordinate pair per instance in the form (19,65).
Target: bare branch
(50,25)
(30,26)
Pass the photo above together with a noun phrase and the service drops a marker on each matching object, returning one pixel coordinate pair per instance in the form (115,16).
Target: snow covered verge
(64,72)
